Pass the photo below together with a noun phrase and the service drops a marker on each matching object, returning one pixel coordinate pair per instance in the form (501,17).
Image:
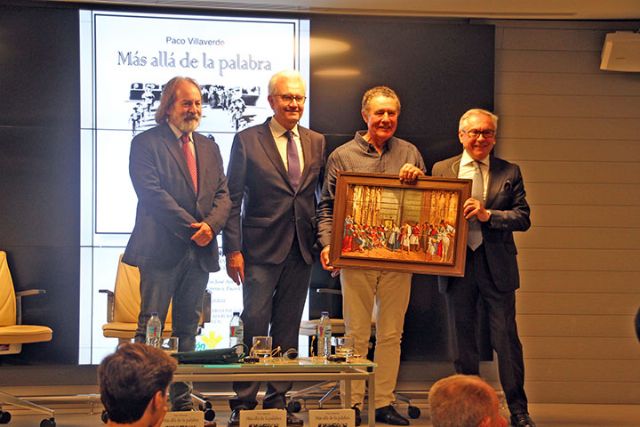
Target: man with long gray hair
(183,202)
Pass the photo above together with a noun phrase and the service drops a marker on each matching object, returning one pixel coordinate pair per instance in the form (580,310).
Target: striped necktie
(477,192)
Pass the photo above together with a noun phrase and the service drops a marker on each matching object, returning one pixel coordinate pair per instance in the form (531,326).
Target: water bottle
(324,335)
(154,331)
(236,332)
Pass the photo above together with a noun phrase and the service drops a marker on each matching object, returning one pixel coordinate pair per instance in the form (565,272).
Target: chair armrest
(19,296)
(110,303)
(30,292)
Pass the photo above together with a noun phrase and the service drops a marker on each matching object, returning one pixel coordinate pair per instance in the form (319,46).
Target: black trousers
(462,298)
(273,298)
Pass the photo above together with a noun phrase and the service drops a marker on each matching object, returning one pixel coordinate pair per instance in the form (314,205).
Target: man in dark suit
(495,210)
(275,173)
(183,202)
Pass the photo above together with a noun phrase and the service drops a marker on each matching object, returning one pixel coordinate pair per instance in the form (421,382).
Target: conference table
(310,369)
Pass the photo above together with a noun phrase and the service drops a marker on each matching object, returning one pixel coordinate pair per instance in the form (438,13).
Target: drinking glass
(344,346)
(261,346)
(170,345)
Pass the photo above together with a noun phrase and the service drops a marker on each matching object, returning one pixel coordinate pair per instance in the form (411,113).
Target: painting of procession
(384,224)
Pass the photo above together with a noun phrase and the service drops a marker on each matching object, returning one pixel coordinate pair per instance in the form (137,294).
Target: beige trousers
(387,293)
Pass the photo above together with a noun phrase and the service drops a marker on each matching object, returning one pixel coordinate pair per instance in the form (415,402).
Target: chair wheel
(48,422)
(209,414)
(5,417)
(200,400)
(414,412)
(294,406)
(104,416)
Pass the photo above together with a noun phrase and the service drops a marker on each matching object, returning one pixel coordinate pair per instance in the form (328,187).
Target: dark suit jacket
(266,211)
(167,202)
(509,213)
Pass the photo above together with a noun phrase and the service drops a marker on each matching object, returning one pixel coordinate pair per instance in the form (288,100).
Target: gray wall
(575,131)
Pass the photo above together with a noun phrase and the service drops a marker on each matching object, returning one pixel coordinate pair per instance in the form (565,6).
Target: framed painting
(380,223)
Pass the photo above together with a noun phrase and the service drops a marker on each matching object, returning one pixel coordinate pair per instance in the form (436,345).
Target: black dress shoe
(358,416)
(389,415)
(293,421)
(522,420)
(234,418)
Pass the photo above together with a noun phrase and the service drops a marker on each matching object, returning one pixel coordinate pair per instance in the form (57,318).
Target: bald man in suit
(275,174)
(497,208)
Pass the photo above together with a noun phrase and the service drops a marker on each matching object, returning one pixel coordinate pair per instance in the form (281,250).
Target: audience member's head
(464,401)
(133,384)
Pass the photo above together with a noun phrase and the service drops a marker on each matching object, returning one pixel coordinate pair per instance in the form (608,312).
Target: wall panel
(546,61)
(579,193)
(574,130)
(570,304)
(541,171)
(524,82)
(579,259)
(598,348)
(595,392)
(593,216)
(544,149)
(597,106)
(598,238)
(574,127)
(575,325)
(580,281)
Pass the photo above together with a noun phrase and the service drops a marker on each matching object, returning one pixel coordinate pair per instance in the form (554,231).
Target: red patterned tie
(191,160)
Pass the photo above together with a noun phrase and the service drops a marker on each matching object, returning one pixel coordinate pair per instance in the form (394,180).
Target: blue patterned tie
(293,161)
(477,192)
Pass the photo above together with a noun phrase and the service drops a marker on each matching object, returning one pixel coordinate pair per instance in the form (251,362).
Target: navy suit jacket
(167,202)
(266,211)
(509,212)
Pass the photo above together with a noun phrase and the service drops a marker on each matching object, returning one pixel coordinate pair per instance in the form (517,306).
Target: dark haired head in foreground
(133,384)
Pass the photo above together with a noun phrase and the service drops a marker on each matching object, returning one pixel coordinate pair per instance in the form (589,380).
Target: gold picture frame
(380,223)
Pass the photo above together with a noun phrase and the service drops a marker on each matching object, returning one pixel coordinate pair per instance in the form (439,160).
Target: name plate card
(263,418)
(332,418)
(184,419)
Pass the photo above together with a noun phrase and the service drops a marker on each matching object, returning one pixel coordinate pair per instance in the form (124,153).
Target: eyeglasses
(290,98)
(475,133)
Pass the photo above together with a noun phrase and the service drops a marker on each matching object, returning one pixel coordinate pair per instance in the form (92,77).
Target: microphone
(276,352)
(252,351)
(291,354)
